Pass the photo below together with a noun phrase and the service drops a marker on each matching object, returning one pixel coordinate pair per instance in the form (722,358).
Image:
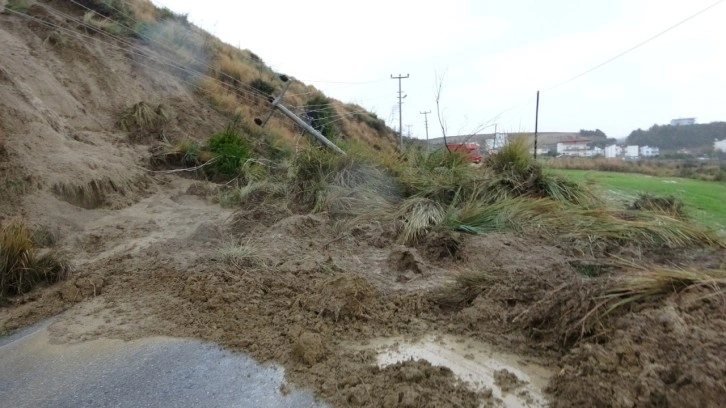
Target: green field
(705,200)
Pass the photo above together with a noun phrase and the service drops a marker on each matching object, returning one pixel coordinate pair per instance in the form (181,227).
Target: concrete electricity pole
(277,104)
(426,121)
(400,102)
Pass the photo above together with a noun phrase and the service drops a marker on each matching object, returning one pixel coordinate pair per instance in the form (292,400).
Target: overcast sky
(494,56)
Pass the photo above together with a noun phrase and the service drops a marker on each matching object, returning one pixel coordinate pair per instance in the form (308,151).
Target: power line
(636,46)
(153,40)
(343,82)
(87,39)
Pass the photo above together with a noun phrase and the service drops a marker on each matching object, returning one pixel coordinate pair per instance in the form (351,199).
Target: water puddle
(513,381)
(155,371)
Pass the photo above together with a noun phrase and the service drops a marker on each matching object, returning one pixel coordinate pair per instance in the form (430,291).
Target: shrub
(21,6)
(230,149)
(322,116)
(114,10)
(262,86)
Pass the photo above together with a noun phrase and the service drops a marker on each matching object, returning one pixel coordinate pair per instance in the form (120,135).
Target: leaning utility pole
(400,102)
(277,104)
(426,121)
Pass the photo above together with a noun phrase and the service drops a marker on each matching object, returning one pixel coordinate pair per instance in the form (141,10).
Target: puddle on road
(474,362)
(154,371)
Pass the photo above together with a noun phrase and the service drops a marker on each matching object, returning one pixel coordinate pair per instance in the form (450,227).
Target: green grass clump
(262,86)
(315,173)
(21,6)
(231,151)
(516,214)
(514,158)
(21,267)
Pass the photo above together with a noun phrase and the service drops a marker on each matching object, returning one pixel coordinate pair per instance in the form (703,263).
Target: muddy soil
(154,269)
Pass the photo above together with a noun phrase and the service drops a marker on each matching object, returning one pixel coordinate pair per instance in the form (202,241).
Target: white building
(613,151)
(719,145)
(647,151)
(500,140)
(577,147)
(631,151)
(683,122)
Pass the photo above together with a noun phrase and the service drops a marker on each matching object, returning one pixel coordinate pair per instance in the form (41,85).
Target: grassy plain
(704,200)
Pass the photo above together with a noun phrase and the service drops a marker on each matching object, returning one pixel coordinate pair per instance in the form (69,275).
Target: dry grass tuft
(465,287)
(21,268)
(654,282)
(143,119)
(105,24)
(419,216)
(241,256)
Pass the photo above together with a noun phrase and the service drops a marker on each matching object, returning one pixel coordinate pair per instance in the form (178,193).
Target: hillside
(672,138)
(72,70)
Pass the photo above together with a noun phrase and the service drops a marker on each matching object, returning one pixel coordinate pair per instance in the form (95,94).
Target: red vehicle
(470,149)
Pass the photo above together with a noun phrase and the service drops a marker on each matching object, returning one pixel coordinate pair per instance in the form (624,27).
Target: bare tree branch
(439,114)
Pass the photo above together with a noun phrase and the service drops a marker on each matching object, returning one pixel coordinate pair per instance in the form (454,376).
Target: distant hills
(667,137)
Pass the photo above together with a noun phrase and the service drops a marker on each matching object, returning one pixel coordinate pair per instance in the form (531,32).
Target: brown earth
(145,247)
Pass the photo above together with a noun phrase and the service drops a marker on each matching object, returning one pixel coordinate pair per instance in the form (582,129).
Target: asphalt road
(152,372)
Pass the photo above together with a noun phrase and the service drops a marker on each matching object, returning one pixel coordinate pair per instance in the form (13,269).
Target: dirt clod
(309,348)
(507,381)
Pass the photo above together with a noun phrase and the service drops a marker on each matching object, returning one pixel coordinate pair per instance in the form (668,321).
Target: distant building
(573,147)
(613,151)
(683,122)
(647,151)
(500,140)
(719,145)
(632,151)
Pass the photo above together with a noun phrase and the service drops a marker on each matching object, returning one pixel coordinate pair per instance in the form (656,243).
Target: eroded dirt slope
(60,99)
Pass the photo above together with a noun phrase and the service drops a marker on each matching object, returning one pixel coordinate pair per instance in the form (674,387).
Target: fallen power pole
(277,104)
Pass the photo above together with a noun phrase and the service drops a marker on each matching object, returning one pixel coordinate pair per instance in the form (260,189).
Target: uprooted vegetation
(425,191)
(22,266)
(420,197)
